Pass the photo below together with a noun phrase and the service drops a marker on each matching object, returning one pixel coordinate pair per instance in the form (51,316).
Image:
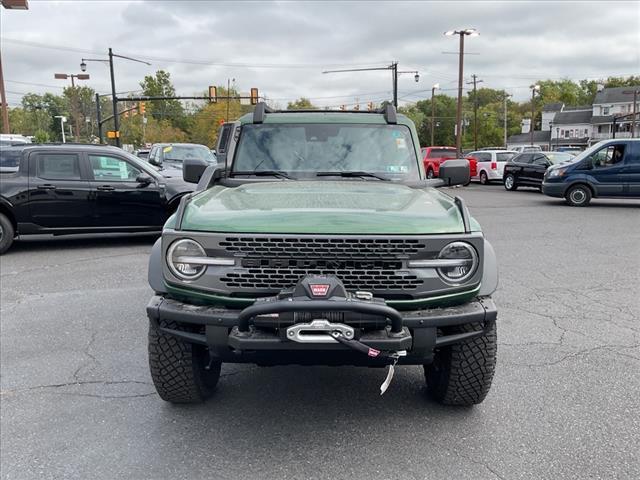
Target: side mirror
(455,172)
(154,162)
(144,179)
(192,169)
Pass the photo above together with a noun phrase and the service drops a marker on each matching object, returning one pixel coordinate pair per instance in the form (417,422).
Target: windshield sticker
(397,168)
(401,143)
(167,149)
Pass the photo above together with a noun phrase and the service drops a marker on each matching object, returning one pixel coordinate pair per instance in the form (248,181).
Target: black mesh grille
(274,263)
(323,247)
(370,280)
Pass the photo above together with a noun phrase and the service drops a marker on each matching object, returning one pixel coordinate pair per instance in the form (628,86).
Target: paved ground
(76,398)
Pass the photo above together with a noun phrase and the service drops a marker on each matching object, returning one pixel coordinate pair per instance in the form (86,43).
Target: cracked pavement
(76,399)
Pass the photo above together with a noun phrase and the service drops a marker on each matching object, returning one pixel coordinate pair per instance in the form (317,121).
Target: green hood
(324,207)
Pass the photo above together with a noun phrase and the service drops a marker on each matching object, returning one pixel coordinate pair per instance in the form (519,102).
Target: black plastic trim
(180,211)
(464,211)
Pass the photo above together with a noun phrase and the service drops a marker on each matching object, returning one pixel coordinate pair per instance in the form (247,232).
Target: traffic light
(141,108)
(254,96)
(213,94)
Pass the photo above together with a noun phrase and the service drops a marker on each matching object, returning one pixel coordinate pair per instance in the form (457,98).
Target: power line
(191,61)
(36,84)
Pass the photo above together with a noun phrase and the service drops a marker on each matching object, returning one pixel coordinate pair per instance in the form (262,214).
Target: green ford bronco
(317,240)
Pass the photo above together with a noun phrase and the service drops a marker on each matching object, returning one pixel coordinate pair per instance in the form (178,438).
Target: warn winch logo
(319,290)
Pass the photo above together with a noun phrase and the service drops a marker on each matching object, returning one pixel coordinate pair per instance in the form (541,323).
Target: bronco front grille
(374,248)
(371,264)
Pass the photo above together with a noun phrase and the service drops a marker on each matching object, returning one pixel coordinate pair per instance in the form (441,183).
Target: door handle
(106,188)
(47,186)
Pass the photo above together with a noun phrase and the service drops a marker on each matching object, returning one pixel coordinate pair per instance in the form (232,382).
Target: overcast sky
(282,47)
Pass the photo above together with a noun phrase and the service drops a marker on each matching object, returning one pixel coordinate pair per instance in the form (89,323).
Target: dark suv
(67,188)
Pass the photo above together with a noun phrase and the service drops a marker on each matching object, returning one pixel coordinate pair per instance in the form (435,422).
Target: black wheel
(7,233)
(578,196)
(461,374)
(178,368)
(483,178)
(430,173)
(510,182)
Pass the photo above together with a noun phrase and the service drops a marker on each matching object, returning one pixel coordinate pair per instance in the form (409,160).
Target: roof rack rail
(262,109)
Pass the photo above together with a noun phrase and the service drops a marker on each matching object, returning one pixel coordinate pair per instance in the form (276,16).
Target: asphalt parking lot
(77,402)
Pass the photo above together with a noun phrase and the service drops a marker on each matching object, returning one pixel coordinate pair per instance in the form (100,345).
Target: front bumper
(257,333)
(553,189)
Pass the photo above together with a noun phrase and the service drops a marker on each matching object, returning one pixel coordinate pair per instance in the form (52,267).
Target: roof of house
(614,95)
(602,119)
(573,117)
(579,107)
(538,137)
(553,107)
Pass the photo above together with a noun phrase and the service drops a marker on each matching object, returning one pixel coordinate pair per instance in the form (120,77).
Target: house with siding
(611,104)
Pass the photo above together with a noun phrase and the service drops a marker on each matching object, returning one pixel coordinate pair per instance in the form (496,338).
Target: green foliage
(301,104)
(160,85)
(42,136)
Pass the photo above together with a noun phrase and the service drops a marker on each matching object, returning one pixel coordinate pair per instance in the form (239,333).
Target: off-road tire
(513,185)
(178,368)
(578,196)
(461,374)
(7,233)
(484,180)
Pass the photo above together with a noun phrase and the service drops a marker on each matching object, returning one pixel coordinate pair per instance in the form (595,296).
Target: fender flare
(489,271)
(155,275)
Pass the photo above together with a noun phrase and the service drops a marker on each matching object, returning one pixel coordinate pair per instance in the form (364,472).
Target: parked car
(8,139)
(490,164)
(610,168)
(527,148)
(142,153)
(173,154)
(527,169)
(432,157)
(362,263)
(64,189)
(574,150)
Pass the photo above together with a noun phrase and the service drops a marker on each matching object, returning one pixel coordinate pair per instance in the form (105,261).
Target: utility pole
(3,100)
(461,33)
(534,89)
(506,96)
(475,110)
(433,111)
(394,66)
(635,110)
(76,101)
(99,118)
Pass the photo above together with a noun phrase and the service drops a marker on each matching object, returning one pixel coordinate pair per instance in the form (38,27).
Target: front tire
(430,174)
(7,233)
(578,196)
(461,374)
(178,368)
(510,183)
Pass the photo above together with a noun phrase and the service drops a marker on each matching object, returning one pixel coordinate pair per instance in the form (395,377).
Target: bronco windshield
(304,150)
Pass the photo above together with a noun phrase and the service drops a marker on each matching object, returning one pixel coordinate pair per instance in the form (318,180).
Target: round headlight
(178,254)
(462,270)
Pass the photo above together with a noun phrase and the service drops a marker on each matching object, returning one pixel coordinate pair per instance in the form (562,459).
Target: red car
(432,157)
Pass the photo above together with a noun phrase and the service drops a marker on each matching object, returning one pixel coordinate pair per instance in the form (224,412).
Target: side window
(608,156)
(540,160)
(58,166)
(112,169)
(524,158)
(483,157)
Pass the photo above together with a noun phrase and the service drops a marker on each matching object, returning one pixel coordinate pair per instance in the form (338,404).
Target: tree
(301,104)
(160,85)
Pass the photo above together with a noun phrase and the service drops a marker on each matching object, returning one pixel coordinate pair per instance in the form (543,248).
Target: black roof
(538,137)
(615,95)
(553,107)
(572,117)
(602,119)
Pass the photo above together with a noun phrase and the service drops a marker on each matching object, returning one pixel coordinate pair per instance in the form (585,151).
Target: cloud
(519,42)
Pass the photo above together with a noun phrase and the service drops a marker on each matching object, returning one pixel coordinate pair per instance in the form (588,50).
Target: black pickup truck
(65,189)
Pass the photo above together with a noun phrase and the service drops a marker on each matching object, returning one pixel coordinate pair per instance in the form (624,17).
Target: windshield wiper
(350,174)
(267,173)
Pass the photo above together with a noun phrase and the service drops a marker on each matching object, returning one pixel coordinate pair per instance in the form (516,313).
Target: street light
(114,99)
(534,89)
(466,32)
(79,76)
(436,86)
(506,96)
